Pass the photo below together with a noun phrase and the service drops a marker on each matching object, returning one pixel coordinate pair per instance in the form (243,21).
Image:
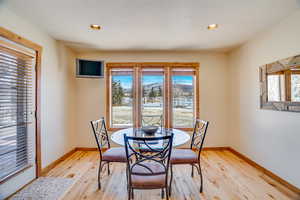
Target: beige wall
(57,100)
(270,138)
(229,95)
(213,91)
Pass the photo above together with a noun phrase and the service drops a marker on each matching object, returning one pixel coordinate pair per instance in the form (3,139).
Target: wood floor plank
(255,178)
(226,177)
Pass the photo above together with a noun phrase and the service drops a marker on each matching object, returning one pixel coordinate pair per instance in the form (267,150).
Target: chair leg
(192,171)
(127,181)
(108,171)
(99,175)
(162,193)
(129,193)
(167,193)
(171,179)
(132,193)
(201,178)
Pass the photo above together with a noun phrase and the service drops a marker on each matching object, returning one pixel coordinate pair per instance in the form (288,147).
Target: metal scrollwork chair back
(199,134)
(148,169)
(152,120)
(101,135)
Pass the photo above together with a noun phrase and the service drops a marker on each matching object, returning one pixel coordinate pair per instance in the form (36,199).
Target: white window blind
(16,110)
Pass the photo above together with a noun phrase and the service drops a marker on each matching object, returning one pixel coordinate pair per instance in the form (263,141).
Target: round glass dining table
(180,137)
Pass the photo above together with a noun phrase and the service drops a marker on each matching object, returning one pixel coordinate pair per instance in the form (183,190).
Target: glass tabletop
(180,137)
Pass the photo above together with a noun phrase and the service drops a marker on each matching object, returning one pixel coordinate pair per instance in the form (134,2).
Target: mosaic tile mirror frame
(280,85)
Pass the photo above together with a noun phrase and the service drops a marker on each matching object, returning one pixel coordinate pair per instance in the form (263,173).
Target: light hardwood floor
(226,176)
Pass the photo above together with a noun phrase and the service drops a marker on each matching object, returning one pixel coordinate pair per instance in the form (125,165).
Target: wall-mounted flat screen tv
(89,68)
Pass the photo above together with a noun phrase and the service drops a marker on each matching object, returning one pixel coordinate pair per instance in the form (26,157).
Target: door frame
(38,50)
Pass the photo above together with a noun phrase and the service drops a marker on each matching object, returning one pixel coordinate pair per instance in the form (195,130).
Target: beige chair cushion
(183,156)
(142,178)
(114,154)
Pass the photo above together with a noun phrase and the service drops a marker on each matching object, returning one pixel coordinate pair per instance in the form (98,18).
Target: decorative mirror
(280,85)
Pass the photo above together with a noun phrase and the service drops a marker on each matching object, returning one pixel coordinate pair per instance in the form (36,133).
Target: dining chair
(152,120)
(107,154)
(189,156)
(148,169)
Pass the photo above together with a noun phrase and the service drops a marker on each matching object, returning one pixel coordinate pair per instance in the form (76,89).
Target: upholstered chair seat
(142,177)
(183,156)
(115,154)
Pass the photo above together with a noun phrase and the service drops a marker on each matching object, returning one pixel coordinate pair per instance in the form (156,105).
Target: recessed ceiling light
(95,26)
(212,26)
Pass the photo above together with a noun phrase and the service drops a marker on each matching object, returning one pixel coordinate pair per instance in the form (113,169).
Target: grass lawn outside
(122,115)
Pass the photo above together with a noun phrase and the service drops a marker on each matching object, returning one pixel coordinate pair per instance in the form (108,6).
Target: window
(295,87)
(121,98)
(183,100)
(142,89)
(152,92)
(17,104)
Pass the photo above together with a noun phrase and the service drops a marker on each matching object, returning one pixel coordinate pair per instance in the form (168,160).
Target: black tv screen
(89,68)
